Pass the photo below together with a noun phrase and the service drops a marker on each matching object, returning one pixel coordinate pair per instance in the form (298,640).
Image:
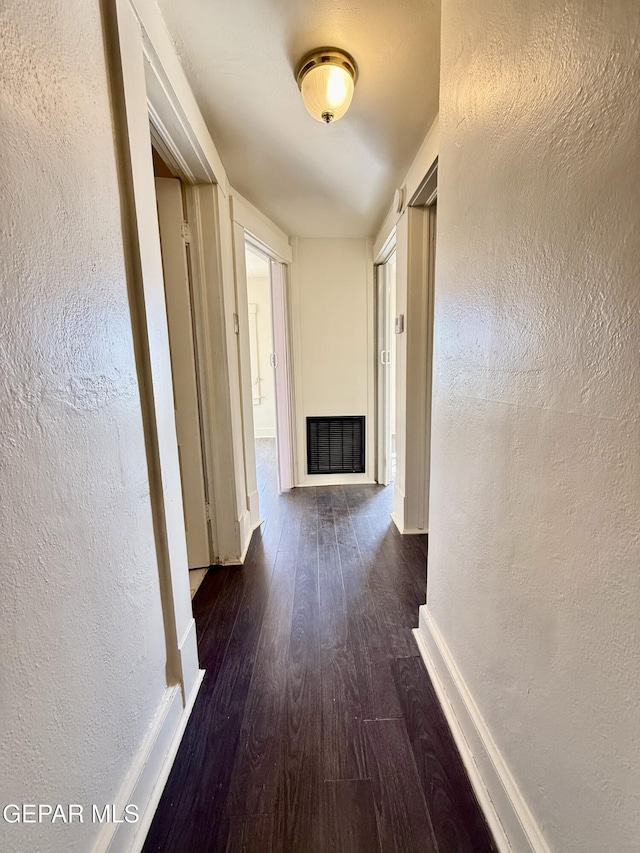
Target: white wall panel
(84,657)
(333,338)
(534,505)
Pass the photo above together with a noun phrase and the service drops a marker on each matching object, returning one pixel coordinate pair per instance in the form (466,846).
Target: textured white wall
(333,322)
(264,415)
(81,630)
(534,558)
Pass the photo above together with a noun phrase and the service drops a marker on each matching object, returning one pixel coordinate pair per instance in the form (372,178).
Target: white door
(281,367)
(183,367)
(386,370)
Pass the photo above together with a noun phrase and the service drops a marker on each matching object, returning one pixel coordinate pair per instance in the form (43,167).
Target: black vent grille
(335,445)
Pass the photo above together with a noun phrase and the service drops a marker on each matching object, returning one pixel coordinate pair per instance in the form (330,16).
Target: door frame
(381,259)
(412,227)
(283,380)
(124,36)
(250,228)
(212,207)
(280,343)
(382,403)
(205,208)
(152,102)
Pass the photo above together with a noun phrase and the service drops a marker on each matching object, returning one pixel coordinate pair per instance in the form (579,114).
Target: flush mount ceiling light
(326,78)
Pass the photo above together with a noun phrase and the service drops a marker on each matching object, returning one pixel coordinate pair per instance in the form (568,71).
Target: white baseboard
(253,505)
(512,824)
(247,544)
(398,512)
(335,480)
(189,663)
(407,531)
(149,772)
(246,532)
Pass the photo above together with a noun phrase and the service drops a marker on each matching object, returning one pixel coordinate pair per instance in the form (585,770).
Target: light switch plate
(399,324)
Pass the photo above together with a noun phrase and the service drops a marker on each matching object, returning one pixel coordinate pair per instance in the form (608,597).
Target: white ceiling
(312,180)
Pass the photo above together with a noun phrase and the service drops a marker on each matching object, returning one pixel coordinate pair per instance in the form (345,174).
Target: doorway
(386,321)
(262,366)
(268,352)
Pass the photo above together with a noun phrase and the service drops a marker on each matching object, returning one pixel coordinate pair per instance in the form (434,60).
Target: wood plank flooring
(316,727)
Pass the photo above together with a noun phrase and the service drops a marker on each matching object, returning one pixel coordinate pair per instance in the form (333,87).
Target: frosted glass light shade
(326,78)
(327,91)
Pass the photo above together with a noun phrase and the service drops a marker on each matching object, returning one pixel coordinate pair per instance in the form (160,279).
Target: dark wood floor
(316,727)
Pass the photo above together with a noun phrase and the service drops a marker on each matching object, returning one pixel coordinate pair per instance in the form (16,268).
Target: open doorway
(386,323)
(266,356)
(263,361)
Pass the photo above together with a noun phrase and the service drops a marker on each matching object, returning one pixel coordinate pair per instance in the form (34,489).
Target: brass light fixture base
(321,55)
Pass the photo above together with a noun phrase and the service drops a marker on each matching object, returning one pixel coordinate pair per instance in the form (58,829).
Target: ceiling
(311,179)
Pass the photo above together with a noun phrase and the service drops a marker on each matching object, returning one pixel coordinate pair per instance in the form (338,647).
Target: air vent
(335,445)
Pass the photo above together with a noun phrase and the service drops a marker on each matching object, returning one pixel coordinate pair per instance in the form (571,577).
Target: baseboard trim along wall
(247,544)
(311,480)
(506,812)
(246,532)
(189,663)
(149,772)
(407,531)
(253,505)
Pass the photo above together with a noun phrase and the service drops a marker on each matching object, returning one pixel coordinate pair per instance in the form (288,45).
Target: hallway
(316,727)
